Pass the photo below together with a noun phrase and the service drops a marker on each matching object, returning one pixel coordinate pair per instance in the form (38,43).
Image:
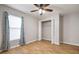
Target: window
(15,27)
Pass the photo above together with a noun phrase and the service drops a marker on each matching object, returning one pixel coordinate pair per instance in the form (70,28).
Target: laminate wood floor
(44,47)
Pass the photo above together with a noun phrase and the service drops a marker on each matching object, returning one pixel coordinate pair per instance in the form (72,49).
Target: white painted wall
(71,29)
(30,23)
(46,30)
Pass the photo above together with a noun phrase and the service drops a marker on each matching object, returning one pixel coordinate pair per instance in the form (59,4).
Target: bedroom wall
(71,29)
(30,23)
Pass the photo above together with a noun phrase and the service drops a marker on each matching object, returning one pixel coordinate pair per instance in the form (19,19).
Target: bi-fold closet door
(46,30)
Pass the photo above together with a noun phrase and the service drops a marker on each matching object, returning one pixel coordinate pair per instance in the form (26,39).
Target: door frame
(40,29)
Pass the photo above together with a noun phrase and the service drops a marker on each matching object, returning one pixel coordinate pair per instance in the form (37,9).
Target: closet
(46,30)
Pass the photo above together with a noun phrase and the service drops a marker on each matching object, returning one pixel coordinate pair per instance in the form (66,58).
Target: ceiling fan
(42,8)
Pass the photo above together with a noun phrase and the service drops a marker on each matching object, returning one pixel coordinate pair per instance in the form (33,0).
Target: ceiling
(59,8)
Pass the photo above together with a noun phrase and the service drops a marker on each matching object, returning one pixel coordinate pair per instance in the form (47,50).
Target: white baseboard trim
(31,41)
(71,43)
(14,46)
(19,45)
(56,43)
(11,47)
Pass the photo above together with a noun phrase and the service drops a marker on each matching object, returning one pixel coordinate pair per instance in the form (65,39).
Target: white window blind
(15,27)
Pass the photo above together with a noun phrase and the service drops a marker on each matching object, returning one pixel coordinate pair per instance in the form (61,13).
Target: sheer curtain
(5,28)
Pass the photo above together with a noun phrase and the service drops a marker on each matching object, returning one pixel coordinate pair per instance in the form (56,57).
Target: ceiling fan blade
(41,5)
(34,10)
(45,5)
(50,10)
(36,5)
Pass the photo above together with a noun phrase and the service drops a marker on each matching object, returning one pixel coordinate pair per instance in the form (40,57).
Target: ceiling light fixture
(41,11)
